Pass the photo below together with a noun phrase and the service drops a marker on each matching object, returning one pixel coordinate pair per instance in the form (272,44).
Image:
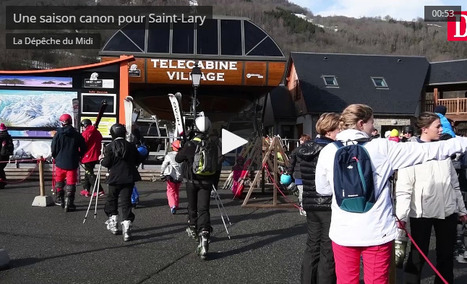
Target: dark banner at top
(101,17)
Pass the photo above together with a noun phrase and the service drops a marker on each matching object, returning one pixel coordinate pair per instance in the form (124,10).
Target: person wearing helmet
(121,158)
(408,134)
(93,139)
(198,188)
(172,174)
(68,148)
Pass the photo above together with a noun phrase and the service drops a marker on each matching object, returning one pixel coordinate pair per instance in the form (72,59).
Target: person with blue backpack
(429,195)
(363,225)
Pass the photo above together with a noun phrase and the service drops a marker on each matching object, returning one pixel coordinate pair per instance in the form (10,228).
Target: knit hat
(394,133)
(440,109)
(2,127)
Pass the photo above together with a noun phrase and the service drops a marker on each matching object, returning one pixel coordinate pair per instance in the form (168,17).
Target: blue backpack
(353,178)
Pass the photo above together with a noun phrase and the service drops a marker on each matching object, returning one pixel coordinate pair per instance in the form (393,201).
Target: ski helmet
(65,119)
(117,130)
(85,122)
(176,145)
(203,124)
(286,179)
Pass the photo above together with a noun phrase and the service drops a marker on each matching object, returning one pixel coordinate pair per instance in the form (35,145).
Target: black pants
(445,231)
(123,191)
(90,176)
(318,259)
(199,199)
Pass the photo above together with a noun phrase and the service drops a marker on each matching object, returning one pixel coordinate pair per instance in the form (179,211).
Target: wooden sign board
(215,72)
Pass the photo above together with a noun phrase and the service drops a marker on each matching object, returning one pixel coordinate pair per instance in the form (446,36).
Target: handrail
(453,106)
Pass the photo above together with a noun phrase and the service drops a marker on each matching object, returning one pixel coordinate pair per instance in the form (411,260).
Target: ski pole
(222,211)
(98,180)
(90,200)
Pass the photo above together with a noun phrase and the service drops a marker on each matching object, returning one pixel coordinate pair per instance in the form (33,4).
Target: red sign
(457,30)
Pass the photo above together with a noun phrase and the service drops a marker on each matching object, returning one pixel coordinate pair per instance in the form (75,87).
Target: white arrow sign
(231,141)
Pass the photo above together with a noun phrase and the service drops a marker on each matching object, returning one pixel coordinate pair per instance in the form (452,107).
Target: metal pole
(194,101)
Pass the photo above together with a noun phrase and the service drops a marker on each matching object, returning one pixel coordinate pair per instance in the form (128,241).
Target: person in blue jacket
(445,123)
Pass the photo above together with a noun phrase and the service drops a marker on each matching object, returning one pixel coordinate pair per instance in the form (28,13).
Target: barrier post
(42,200)
(41,177)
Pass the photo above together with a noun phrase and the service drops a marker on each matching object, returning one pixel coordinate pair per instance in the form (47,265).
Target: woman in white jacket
(429,194)
(370,234)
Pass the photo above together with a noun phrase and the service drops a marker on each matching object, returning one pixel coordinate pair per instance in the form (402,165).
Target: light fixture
(196,75)
(195,81)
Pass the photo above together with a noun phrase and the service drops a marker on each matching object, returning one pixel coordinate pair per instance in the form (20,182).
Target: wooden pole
(41,176)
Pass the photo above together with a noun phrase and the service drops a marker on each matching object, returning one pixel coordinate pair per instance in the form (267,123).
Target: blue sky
(397,9)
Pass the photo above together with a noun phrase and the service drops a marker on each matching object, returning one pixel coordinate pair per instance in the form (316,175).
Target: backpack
(353,178)
(7,147)
(206,159)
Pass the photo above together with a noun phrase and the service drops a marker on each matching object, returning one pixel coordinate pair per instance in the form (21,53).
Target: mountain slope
(304,32)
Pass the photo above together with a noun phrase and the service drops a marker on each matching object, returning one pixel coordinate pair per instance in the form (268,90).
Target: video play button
(231,141)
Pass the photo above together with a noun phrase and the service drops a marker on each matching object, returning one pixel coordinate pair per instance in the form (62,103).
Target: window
(207,37)
(158,38)
(231,37)
(183,38)
(379,82)
(330,81)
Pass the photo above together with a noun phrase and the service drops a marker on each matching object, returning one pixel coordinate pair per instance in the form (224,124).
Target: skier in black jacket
(68,148)
(121,158)
(318,259)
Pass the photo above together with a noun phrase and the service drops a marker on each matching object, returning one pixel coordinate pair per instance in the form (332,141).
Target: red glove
(463,219)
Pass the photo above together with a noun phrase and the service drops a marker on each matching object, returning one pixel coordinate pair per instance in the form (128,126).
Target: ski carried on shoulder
(179,124)
(100,114)
(128,107)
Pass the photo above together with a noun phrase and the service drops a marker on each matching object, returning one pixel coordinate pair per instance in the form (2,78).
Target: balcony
(456,108)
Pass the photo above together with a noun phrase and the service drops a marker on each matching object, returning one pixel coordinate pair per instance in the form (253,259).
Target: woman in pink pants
(172,173)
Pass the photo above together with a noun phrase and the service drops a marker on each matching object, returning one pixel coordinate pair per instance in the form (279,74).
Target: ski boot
(112,224)
(70,198)
(203,246)
(191,231)
(126,230)
(59,198)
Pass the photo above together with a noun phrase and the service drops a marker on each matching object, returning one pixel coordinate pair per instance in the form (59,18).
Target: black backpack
(206,159)
(353,177)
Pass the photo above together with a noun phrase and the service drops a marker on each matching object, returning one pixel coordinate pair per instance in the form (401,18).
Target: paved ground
(47,245)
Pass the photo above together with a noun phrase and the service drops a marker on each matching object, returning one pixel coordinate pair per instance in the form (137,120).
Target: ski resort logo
(95,82)
(134,71)
(457,30)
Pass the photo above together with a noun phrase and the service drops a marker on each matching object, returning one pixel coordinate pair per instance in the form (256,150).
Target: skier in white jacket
(430,196)
(370,234)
